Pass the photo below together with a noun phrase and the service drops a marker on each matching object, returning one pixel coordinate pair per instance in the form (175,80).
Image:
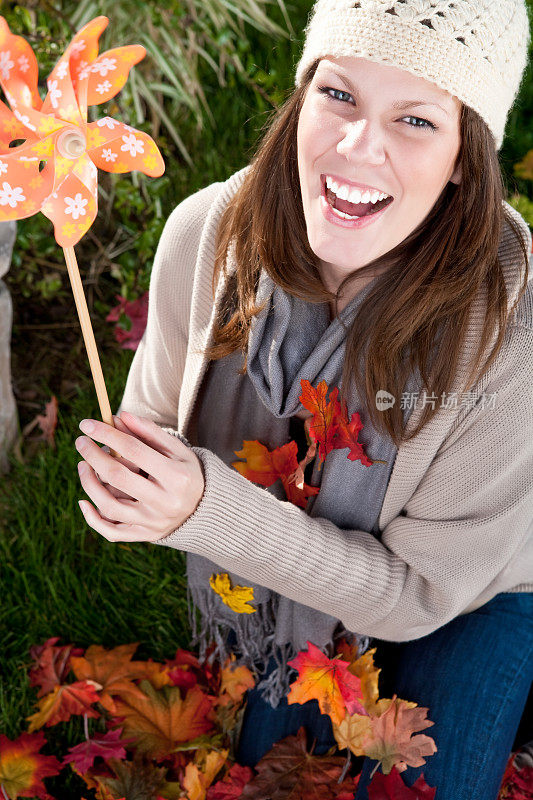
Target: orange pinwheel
(55,169)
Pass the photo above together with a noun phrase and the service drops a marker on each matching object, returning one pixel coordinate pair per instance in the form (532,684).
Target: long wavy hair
(426,285)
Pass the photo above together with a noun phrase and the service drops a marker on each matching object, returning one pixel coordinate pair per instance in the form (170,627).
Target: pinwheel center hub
(71,144)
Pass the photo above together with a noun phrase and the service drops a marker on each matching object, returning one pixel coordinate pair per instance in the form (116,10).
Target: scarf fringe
(255,634)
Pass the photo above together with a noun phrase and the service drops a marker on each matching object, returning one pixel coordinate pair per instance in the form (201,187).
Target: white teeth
(344,192)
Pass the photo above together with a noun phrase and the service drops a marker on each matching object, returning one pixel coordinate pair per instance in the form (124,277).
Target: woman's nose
(362,143)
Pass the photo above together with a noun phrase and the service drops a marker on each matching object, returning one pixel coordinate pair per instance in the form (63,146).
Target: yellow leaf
(351,731)
(236,597)
(200,775)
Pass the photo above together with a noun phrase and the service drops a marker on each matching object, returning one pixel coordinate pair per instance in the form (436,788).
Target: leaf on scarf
(391,739)
(235,681)
(324,423)
(329,427)
(136,312)
(51,664)
(347,434)
(392,787)
(230,788)
(235,597)
(160,719)
(265,467)
(200,774)
(22,767)
(289,772)
(63,702)
(326,680)
(112,669)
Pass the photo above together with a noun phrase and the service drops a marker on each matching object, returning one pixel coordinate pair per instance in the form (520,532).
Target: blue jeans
(473,674)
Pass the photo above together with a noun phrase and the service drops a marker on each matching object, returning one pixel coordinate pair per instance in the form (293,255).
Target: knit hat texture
(475,49)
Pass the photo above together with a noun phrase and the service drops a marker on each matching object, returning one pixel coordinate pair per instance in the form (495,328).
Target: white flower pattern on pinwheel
(3,167)
(104,87)
(6,64)
(55,93)
(77,47)
(11,195)
(104,66)
(132,144)
(24,64)
(24,119)
(108,154)
(84,73)
(62,70)
(107,122)
(76,206)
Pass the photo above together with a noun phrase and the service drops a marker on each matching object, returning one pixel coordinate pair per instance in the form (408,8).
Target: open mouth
(353,209)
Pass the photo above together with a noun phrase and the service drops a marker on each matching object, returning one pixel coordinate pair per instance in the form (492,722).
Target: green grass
(61,578)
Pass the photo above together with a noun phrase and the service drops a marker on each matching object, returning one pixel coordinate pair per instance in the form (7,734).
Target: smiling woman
(362,514)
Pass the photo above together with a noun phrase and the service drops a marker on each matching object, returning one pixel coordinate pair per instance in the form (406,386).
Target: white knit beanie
(475,49)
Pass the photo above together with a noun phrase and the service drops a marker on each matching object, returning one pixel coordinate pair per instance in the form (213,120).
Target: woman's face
(356,134)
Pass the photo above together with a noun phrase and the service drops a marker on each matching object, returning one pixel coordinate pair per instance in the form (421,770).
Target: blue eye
(425,123)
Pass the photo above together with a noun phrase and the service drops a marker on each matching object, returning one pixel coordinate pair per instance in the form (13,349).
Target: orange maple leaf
(391,739)
(326,680)
(161,719)
(347,434)
(112,669)
(324,424)
(235,680)
(329,427)
(265,467)
(63,702)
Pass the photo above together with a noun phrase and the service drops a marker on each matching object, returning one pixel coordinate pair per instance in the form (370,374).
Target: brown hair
(426,285)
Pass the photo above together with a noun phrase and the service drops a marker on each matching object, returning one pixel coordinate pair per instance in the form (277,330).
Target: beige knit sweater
(456,521)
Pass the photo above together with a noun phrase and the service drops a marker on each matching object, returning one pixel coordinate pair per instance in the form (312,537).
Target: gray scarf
(290,339)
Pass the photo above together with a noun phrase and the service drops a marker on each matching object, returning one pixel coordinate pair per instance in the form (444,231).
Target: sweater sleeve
(464,523)
(154,379)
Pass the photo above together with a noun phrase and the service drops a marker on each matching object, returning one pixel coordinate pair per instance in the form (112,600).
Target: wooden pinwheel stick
(88,336)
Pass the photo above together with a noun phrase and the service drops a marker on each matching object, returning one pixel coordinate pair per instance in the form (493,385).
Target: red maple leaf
(324,424)
(22,767)
(392,787)
(63,702)
(347,434)
(137,312)
(264,466)
(328,681)
(108,746)
(329,427)
(230,788)
(52,664)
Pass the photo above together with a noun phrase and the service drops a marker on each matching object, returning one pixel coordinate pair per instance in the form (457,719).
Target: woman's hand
(129,506)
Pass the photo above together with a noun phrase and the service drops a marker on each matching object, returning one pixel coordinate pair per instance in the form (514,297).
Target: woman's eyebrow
(398,104)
